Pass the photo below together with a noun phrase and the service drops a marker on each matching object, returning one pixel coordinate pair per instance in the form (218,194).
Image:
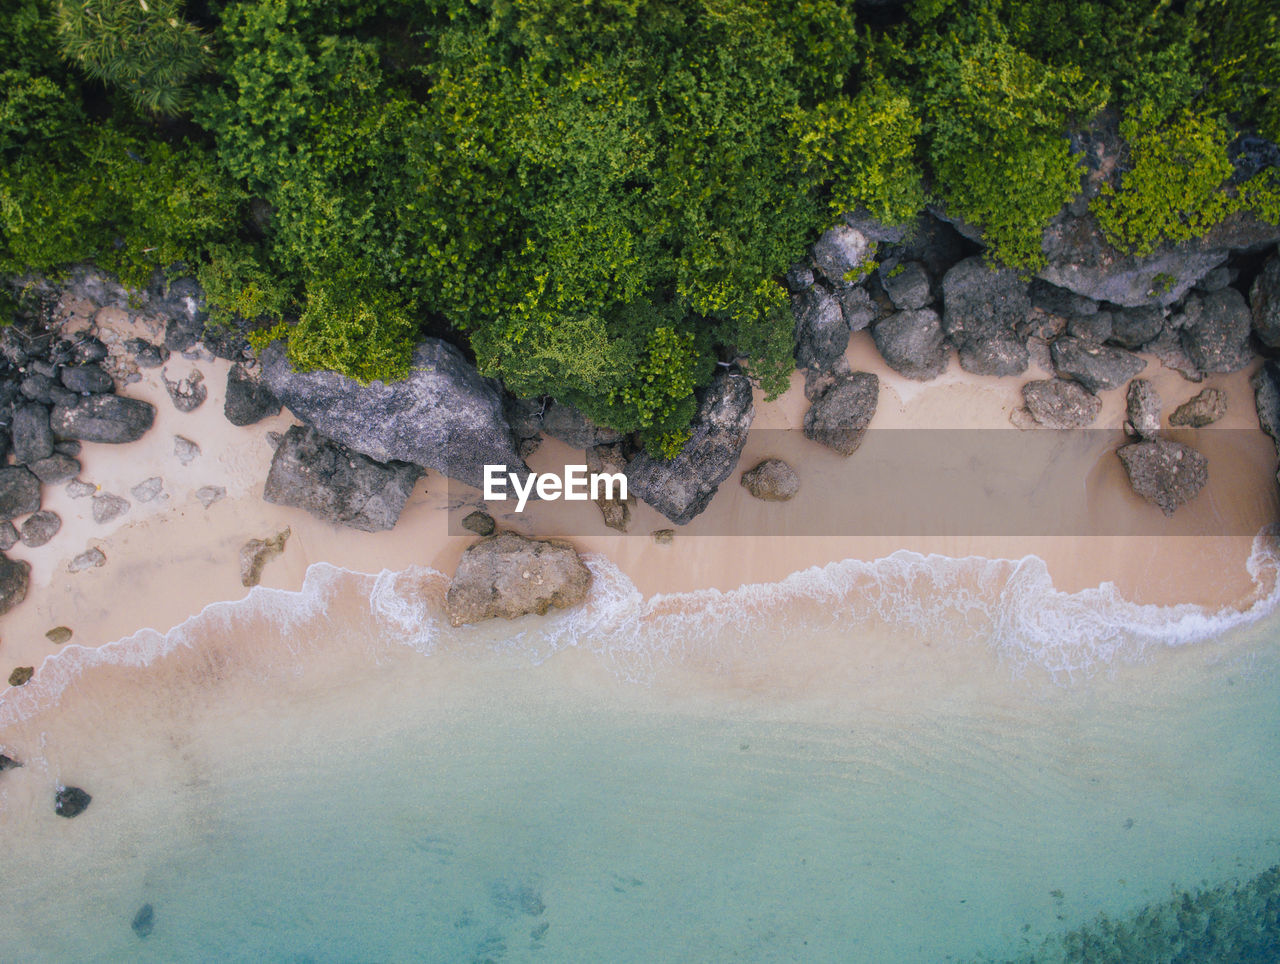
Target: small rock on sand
(209,494)
(59,635)
(107,507)
(481,523)
(185,449)
(150,490)
(80,490)
(91,559)
(70,802)
(21,675)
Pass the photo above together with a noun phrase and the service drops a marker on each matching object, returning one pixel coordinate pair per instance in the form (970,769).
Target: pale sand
(168,559)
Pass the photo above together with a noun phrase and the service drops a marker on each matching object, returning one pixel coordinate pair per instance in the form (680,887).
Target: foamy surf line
(1011,605)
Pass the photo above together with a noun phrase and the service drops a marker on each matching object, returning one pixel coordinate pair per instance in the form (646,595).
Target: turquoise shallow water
(335,776)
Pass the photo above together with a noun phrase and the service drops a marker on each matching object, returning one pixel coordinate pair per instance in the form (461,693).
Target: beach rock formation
(186,450)
(1215,330)
(481,523)
(15,574)
(508,575)
(682,487)
(1167,474)
(1096,367)
(772,480)
(912,343)
(39,528)
(1143,409)
(821,333)
(70,802)
(19,492)
(982,309)
(149,490)
(103,418)
(248,400)
(256,553)
(444,416)
(337,484)
(839,417)
(1264,303)
(1204,409)
(1059,403)
(188,393)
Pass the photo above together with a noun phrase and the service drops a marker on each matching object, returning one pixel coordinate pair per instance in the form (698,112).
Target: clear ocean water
(919,759)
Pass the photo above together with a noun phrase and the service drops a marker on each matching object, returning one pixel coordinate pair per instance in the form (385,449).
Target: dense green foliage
(598,198)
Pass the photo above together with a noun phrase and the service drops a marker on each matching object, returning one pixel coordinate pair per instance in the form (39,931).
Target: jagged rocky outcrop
(1204,409)
(821,332)
(682,487)
(337,484)
(444,416)
(508,576)
(838,418)
(771,480)
(912,343)
(1097,367)
(1167,474)
(982,309)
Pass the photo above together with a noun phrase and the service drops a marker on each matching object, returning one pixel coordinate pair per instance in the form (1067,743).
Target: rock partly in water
(682,487)
(1215,330)
(1264,302)
(32,436)
(103,418)
(108,508)
(80,490)
(772,480)
(70,802)
(19,492)
(982,310)
(89,559)
(839,417)
(821,333)
(256,553)
(337,484)
(1059,403)
(1167,474)
(59,635)
(1142,409)
(188,392)
(1204,409)
(55,469)
(21,675)
(248,400)
(481,523)
(149,490)
(186,450)
(39,528)
(144,921)
(8,763)
(209,494)
(444,416)
(912,343)
(508,575)
(1096,367)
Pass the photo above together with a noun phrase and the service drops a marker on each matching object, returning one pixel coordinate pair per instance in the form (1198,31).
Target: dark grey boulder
(1215,330)
(821,333)
(508,576)
(839,417)
(682,487)
(70,802)
(856,306)
(68,447)
(912,343)
(1217,279)
(1142,407)
(89,349)
(1168,349)
(1096,327)
(1266,394)
(40,527)
(1060,301)
(1134,327)
(570,426)
(1096,367)
(88,379)
(32,436)
(1264,301)
(772,480)
(337,484)
(248,400)
(55,469)
(444,416)
(15,574)
(145,353)
(42,388)
(842,252)
(103,418)
(89,559)
(1059,403)
(1167,474)
(799,277)
(982,309)
(481,523)
(19,492)
(8,536)
(187,393)
(226,343)
(907,285)
(1204,409)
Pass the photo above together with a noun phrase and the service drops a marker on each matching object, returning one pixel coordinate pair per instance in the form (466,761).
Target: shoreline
(170,559)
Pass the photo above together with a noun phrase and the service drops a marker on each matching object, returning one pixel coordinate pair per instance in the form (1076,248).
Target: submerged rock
(209,494)
(108,508)
(256,553)
(21,675)
(149,490)
(508,575)
(70,802)
(1061,404)
(89,559)
(1143,409)
(144,921)
(331,481)
(186,450)
(1167,474)
(839,417)
(103,418)
(663,537)
(772,480)
(1204,409)
(15,574)
(682,487)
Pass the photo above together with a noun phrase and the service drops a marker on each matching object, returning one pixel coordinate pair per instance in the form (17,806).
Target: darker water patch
(144,921)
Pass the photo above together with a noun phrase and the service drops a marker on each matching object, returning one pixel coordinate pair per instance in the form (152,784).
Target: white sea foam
(1009,605)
